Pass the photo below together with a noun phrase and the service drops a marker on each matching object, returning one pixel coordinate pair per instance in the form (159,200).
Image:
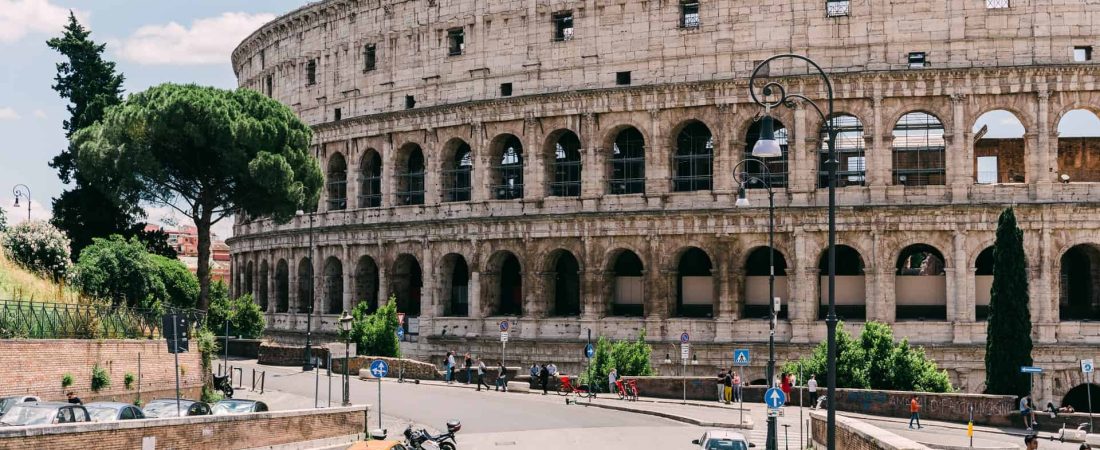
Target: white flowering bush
(38,247)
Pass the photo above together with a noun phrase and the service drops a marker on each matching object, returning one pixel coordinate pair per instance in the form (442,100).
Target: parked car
(166,407)
(723,440)
(44,413)
(112,411)
(238,406)
(7,402)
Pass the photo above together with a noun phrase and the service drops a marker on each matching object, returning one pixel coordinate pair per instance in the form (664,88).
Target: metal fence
(38,320)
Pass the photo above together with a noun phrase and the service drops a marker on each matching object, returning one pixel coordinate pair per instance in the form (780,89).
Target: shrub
(100,378)
(629,358)
(181,287)
(38,247)
(66,380)
(245,317)
(375,334)
(128,380)
(123,271)
(3,221)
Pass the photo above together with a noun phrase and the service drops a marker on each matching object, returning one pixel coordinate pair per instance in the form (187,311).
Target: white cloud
(8,114)
(39,114)
(19,18)
(18,214)
(168,217)
(207,41)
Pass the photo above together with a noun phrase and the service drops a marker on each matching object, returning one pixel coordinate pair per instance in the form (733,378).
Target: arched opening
(507,175)
(505,283)
(337,183)
(694,284)
(694,158)
(456,286)
(629,296)
(334,286)
(851,169)
(248,278)
(456,172)
(919,150)
(851,286)
(410,176)
(627,163)
(406,284)
(999,148)
(1078,398)
(370,180)
(1079,295)
(366,283)
(777,167)
(282,287)
(757,270)
(565,170)
(305,286)
(920,284)
(1079,146)
(566,286)
(262,297)
(983,283)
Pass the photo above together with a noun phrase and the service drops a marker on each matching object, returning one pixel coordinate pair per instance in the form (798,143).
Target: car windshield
(6,404)
(102,413)
(726,444)
(232,407)
(166,409)
(28,415)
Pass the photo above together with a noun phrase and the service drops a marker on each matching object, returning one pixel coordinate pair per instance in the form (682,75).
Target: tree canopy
(246,320)
(375,334)
(206,152)
(123,271)
(1008,341)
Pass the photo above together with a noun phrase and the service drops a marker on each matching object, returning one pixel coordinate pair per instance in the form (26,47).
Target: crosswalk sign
(741,357)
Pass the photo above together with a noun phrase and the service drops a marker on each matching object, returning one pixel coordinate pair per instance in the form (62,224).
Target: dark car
(44,413)
(166,407)
(7,402)
(112,411)
(238,406)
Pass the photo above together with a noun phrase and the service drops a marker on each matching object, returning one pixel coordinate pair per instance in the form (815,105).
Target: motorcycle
(421,439)
(223,384)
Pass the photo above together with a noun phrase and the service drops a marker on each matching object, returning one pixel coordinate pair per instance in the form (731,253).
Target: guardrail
(41,320)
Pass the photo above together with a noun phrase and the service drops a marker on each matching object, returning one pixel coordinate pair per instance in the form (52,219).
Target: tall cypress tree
(1008,336)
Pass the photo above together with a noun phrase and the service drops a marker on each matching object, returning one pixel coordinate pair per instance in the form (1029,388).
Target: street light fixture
(24,192)
(767,146)
(345,326)
(831,165)
(308,364)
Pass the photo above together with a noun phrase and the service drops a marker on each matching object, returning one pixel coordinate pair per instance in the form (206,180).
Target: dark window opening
(1079,293)
(366,283)
(406,283)
(629,286)
(456,176)
(695,286)
(508,172)
(983,279)
(370,194)
(505,89)
(837,8)
(628,163)
(510,287)
(919,150)
(410,189)
(777,167)
(920,287)
(694,158)
(622,78)
(759,266)
(851,167)
(567,286)
(334,286)
(410,102)
(337,183)
(263,59)
(851,298)
(1082,53)
(566,168)
(689,14)
(282,287)
(305,286)
(370,58)
(563,26)
(337,114)
(458,293)
(917,60)
(269,83)
(311,72)
(456,42)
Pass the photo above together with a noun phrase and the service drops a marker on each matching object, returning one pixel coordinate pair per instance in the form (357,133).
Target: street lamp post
(22,191)
(345,326)
(830,320)
(308,364)
(743,179)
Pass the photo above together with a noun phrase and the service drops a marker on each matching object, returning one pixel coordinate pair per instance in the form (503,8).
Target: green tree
(244,315)
(1008,332)
(375,334)
(206,152)
(181,288)
(123,271)
(3,222)
(629,358)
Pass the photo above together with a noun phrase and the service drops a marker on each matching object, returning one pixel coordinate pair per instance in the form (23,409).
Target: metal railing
(39,320)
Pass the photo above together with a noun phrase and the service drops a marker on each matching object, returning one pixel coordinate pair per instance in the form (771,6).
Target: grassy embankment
(19,284)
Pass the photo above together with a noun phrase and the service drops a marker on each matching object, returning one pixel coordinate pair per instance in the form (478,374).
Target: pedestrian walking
(785,385)
(736,385)
(914,412)
(721,385)
(812,387)
(611,378)
(1028,413)
(481,375)
(727,386)
(544,378)
(450,367)
(73,398)
(468,362)
(1031,442)
(502,378)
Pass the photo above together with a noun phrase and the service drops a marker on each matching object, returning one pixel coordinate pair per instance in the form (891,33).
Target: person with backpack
(502,378)
(727,385)
(481,375)
(544,378)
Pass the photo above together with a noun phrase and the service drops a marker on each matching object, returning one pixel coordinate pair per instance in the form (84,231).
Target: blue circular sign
(379,368)
(684,337)
(589,351)
(775,398)
(503,326)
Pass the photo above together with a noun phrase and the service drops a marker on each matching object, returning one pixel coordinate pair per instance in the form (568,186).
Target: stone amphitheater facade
(567,166)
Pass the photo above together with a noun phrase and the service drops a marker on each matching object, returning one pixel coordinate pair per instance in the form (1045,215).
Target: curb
(678,418)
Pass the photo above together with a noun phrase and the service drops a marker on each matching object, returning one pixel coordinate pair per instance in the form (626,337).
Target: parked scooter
(422,440)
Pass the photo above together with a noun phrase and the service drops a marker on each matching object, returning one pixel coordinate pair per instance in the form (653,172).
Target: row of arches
(562,284)
(918,152)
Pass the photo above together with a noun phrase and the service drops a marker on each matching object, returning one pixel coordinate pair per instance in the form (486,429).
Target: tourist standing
(721,385)
(544,378)
(450,367)
(502,378)
(611,378)
(914,412)
(468,363)
(727,386)
(736,385)
(812,387)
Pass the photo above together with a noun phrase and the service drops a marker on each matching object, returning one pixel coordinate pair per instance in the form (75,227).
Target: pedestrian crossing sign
(741,357)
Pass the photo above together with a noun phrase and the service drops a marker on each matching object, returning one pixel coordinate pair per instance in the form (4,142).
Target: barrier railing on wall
(40,320)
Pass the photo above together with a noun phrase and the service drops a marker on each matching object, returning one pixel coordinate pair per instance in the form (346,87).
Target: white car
(7,402)
(723,440)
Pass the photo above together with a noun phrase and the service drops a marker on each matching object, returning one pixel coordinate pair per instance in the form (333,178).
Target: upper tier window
(456,42)
(563,26)
(689,14)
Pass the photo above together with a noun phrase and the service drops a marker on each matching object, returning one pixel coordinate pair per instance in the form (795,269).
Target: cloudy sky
(152,42)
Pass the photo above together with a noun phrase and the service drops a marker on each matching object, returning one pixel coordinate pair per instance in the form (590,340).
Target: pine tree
(1008,335)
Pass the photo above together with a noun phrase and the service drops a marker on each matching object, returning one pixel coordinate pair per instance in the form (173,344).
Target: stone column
(272,299)
(879,158)
(960,306)
(349,279)
(885,305)
(736,291)
(1043,160)
(592,294)
(1044,295)
(352,159)
(960,160)
(292,283)
(666,304)
(429,283)
(534,305)
(479,174)
(594,174)
(534,160)
(474,290)
(800,176)
(658,158)
(389,172)
(725,311)
(383,284)
(725,155)
(433,164)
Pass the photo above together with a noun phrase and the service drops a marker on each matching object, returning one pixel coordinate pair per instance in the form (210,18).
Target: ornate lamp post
(308,364)
(22,191)
(345,326)
(770,144)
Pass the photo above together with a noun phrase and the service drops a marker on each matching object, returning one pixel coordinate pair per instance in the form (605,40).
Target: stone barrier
(853,434)
(287,355)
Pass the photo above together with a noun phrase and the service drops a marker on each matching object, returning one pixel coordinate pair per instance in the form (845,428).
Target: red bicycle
(567,387)
(627,390)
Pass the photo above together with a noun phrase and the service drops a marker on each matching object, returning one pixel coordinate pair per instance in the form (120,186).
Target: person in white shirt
(611,379)
(553,369)
(811,386)
(450,367)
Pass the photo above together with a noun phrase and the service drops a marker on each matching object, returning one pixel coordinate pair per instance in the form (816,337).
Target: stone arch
(370,179)
(610,134)
(262,297)
(504,284)
(919,150)
(366,283)
(305,286)
(1000,149)
(507,161)
(693,154)
(694,283)
(336,182)
(627,160)
(1078,138)
(1078,397)
(406,284)
(777,167)
(564,166)
(457,164)
(455,280)
(851,284)
(983,283)
(920,284)
(850,149)
(628,283)
(249,277)
(282,287)
(1079,283)
(756,297)
(410,170)
(563,287)
(334,285)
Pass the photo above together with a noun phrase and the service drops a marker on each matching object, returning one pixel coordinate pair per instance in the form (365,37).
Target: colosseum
(568,166)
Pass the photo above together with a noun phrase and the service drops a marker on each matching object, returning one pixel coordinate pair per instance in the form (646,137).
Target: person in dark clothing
(727,384)
(481,375)
(74,399)
(544,378)
(502,378)
(721,385)
(469,364)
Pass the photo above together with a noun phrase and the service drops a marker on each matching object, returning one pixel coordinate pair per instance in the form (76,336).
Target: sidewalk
(947,435)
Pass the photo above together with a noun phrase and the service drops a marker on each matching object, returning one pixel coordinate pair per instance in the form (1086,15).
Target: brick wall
(1010,158)
(413,369)
(1079,158)
(196,433)
(35,366)
(852,434)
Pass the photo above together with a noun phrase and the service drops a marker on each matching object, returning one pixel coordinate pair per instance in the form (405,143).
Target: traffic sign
(774,398)
(400,332)
(589,351)
(685,350)
(504,326)
(1030,369)
(379,368)
(176,331)
(685,337)
(1086,365)
(503,336)
(741,357)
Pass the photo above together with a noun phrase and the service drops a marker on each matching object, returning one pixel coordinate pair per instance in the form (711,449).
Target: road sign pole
(741,397)
(176,353)
(379,402)
(1088,391)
